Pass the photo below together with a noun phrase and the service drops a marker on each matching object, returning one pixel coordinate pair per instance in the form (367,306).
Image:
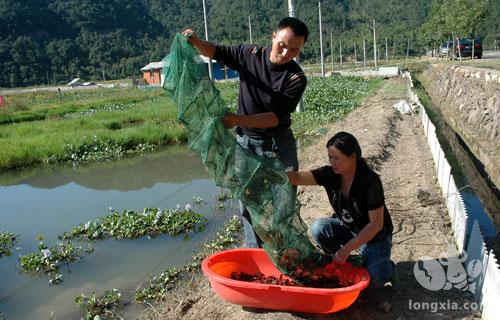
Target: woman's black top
(366,194)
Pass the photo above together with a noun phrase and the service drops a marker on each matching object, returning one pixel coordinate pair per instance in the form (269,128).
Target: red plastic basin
(218,268)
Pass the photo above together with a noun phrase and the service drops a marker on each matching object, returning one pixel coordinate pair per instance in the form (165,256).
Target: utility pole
(393,49)
(291,13)
(374,44)
(407,51)
(206,38)
(340,49)
(364,53)
(321,41)
(291,8)
(355,58)
(250,29)
(331,47)
(386,52)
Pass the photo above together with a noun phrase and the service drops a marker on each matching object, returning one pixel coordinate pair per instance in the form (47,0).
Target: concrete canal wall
(469,100)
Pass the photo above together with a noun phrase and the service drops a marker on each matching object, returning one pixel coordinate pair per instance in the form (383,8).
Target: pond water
(48,201)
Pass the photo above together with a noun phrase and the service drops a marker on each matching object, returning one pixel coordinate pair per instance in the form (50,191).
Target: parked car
(445,48)
(465,45)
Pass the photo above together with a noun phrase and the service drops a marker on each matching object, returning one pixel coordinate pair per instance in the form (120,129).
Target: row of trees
(52,41)
(454,18)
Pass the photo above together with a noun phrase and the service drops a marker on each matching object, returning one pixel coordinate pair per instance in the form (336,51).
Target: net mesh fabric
(260,183)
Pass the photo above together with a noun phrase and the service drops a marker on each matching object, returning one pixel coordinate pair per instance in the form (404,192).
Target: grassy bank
(87,125)
(99,124)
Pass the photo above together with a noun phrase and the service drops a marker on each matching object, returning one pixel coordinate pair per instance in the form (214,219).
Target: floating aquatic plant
(100,307)
(197,201)
(129,224)
(159,286)
(7,241)
(48,260)
(98,149)
(221,198)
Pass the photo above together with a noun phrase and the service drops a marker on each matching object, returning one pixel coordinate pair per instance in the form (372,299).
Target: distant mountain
(53,41)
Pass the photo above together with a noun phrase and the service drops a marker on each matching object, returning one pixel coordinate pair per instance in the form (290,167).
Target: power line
(209,14)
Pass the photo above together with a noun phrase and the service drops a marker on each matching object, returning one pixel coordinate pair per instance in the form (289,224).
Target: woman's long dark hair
(347,144)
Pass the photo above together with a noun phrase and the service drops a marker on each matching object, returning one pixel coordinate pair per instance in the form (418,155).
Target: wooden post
(459,52)
(453,53)
(473,40)
(447,49)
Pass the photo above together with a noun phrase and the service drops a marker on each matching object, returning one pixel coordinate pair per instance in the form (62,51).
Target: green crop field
(99,124)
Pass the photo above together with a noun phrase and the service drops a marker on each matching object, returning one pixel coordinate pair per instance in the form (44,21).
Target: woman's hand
(341,255)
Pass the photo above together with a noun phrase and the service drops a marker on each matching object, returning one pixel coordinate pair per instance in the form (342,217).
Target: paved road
(491,55)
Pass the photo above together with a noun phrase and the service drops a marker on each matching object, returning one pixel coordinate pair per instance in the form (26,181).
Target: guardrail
(468,240)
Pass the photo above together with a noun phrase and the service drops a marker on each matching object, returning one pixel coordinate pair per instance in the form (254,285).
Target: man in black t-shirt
(271,86)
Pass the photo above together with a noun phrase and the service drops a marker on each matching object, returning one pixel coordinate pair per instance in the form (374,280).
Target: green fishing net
(260,183)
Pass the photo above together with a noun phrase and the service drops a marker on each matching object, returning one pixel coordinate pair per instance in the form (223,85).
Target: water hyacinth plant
(197,201)
(128,224)
(7,241)
(159,286)
(99,149)
(48,260)
(221,198)
(100,307)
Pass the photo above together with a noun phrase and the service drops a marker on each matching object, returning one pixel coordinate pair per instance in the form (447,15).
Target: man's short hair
(298,27)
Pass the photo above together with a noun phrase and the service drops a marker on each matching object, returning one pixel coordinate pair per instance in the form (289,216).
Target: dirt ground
(397,149)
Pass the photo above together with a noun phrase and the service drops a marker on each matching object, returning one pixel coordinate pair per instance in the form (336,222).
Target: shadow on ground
(408,299)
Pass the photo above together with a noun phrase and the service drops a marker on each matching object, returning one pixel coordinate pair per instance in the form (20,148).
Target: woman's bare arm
(301,178)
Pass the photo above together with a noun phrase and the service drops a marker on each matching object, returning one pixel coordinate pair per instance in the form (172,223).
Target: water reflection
(175,164)
(48,201)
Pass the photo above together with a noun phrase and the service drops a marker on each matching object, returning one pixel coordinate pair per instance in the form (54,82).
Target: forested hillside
(52,41)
